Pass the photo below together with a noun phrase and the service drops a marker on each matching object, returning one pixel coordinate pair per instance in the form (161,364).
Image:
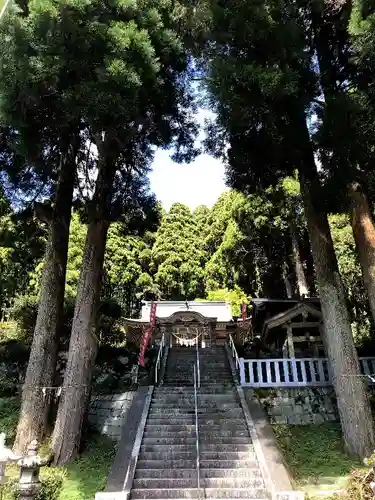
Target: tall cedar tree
(178,256)
(345,140)
(362,41)
(261,76)
(124,67)
(42,147)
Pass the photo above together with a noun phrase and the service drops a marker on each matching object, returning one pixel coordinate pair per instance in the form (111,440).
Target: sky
(198,183)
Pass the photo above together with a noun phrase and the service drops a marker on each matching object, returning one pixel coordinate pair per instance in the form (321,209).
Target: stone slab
(277,470)
(117,475)
(107,411)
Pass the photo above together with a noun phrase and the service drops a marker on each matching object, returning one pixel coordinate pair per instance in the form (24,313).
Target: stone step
(213,405)
(204,447)
(216,482)
(204,412)
(204,418)
(164,438)
(192,473)
(216,420)
(219,420)
(174,493)
(182,464)
(204,440)
(230,435)
(224,426)
(167,429)
(212,388)
(221,368)
(206,400)
(175,420)
(170,454)
(202,398)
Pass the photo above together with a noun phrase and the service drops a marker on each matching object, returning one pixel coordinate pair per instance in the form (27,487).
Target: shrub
(24,311)
(13,363)
(9,411)
(9,330)
(51,485)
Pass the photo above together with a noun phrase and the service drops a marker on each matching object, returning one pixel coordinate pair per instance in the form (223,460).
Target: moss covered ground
(315,457)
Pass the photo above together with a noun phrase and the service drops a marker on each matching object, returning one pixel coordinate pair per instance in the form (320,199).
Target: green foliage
(350,270)
(178,256)
(21,247)
(51,486)
(9,330)
(88,474)
(77,238)
(24,311)
(236,298)
(9,408)
(79,481)
(315,456)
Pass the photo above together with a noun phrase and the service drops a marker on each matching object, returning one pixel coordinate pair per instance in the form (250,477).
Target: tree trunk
(37,389)
(352,399)
(287,283)
(302,288)
(83,342)
(364,236)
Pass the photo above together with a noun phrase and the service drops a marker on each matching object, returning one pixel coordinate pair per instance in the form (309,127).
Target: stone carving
(185,317)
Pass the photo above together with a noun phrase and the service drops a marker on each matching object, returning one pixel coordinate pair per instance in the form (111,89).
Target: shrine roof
(288,315)
(264,308)
(220,310)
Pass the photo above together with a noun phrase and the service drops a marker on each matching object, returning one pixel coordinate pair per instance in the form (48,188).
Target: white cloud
(198,183)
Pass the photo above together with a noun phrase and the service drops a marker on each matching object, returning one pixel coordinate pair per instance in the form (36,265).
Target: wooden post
(292,353)
(242,372)
(285,348)
(289,333)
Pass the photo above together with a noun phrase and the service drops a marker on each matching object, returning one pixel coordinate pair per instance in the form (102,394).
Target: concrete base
(289,495)
(119,495)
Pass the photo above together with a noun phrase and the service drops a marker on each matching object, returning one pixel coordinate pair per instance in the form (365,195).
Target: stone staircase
(179,369)
(167,462)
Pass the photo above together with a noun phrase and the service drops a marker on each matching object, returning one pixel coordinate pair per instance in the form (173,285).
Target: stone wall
(107,413)
(299,406)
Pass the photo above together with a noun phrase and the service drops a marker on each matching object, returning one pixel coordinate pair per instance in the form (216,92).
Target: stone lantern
(29,483)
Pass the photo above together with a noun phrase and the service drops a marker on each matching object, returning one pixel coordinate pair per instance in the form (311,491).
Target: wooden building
(289,328)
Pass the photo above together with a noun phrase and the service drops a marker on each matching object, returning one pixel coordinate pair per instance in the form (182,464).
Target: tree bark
(302,288)
(364,236)
(352,399)
(37,389)
(287,283)
(83,342)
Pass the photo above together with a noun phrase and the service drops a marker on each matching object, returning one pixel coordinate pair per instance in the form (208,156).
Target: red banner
(147,334)
(244,311)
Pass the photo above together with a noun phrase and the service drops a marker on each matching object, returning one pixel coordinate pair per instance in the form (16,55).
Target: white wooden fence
(294,372)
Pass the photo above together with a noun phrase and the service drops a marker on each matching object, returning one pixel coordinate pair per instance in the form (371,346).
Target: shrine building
(188,323)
